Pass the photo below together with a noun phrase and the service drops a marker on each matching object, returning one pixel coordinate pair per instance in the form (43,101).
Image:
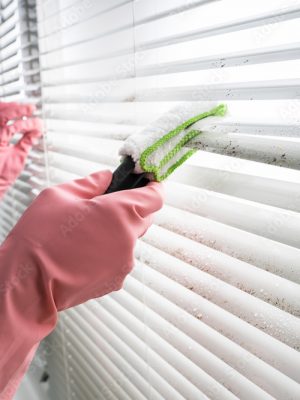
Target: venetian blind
(211,310)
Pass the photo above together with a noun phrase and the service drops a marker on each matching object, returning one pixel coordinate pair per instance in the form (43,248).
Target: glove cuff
(27,309)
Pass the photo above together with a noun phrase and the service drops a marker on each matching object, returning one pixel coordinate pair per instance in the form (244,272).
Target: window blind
(11,80)
(211,309)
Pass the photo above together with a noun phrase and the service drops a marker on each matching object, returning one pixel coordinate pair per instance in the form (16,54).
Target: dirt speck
(130,99)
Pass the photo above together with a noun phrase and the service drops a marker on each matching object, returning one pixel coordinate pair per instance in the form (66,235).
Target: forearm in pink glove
(13,157)
(72,244)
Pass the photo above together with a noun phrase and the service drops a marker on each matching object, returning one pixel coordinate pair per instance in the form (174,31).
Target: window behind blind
(211,309)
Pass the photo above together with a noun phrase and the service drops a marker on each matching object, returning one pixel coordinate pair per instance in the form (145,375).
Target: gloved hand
(13,157)
(72,244)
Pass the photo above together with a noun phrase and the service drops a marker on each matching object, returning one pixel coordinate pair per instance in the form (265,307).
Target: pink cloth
(72,244)
(13,157)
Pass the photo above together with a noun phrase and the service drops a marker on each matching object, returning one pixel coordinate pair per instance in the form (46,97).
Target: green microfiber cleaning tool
(160,148)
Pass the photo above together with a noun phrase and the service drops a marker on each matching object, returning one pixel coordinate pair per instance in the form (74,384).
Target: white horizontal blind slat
(190,348)
(277,291)
(224,323)
(233,241)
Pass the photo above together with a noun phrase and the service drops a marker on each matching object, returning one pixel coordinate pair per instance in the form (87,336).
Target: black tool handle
(124,178)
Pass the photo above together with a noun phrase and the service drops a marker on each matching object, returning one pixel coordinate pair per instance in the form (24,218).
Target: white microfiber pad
(159,148)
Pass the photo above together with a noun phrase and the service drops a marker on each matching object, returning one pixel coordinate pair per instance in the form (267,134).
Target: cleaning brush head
(160,148)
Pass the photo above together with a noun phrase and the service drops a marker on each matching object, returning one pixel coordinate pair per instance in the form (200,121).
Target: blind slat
(212,318)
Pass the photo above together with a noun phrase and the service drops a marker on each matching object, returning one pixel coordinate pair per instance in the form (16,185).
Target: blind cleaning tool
(155,152)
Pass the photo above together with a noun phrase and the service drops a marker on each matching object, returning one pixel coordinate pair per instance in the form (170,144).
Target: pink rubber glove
(72,244)
(13,157)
